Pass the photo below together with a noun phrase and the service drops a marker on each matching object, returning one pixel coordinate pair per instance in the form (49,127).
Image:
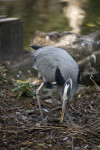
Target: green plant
(24,88)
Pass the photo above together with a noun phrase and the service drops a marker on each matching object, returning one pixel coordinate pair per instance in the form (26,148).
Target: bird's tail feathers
(36,47)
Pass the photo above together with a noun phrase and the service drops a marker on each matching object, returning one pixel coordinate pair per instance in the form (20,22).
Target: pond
(52,15)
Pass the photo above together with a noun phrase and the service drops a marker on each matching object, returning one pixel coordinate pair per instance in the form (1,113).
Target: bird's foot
(70,119)
(43,122)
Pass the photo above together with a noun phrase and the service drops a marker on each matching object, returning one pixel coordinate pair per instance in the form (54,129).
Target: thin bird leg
(38,98)
(69,118)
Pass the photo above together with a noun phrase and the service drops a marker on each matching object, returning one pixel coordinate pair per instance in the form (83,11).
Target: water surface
(48,15)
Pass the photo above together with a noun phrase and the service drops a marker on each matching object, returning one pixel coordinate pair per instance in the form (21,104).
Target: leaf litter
(20,123)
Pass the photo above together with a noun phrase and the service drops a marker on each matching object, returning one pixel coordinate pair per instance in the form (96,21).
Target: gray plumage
(47,59)
(56,65)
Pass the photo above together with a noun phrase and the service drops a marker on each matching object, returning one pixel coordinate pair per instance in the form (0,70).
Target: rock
(84,49)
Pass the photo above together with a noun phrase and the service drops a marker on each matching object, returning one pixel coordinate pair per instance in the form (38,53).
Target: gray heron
(55,66)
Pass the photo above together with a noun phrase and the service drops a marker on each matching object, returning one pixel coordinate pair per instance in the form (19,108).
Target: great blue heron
(55,65)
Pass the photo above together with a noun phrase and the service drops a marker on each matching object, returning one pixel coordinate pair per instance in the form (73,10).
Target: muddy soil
(20,123)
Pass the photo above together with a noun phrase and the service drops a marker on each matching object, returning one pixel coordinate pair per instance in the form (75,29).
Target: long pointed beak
(63,112)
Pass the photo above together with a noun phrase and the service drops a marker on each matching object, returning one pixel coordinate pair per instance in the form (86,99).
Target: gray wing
(46,68)
(47,59)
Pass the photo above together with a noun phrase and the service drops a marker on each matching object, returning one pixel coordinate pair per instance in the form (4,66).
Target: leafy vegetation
(24,88)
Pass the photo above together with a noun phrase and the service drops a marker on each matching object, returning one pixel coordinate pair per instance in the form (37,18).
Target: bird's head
(66,95)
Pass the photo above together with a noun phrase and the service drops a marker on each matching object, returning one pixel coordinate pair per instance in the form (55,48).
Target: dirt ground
(20,123)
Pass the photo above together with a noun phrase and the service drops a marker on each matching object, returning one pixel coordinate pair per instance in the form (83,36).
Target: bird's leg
(38,98)
(69,118)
